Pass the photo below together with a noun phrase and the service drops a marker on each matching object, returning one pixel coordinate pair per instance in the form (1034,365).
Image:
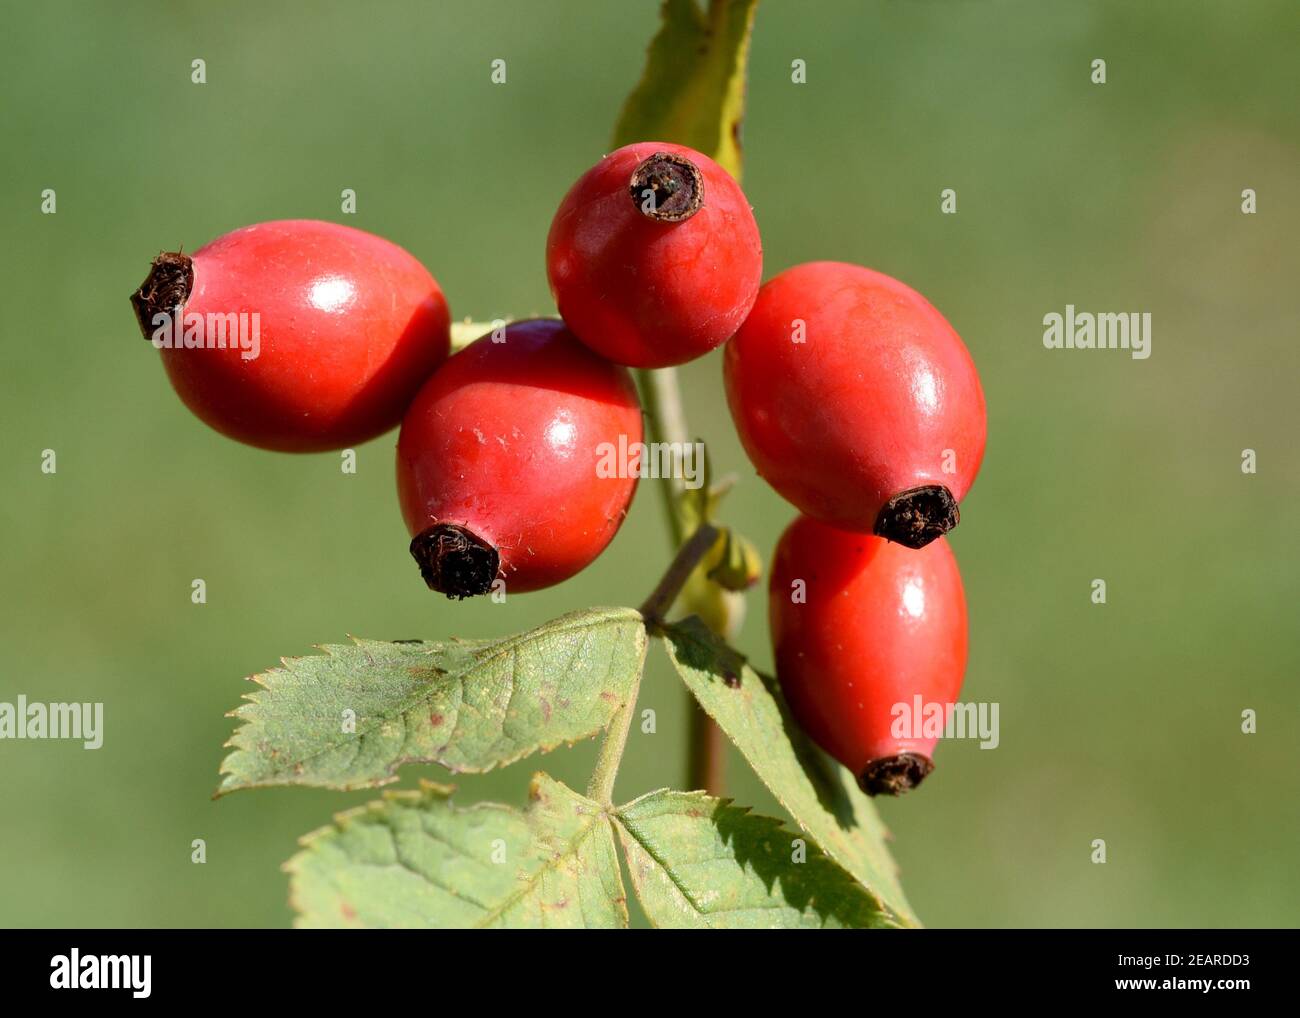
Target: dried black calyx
(894,775)
(916,517)
(667,188)
(164,291)
(455,561)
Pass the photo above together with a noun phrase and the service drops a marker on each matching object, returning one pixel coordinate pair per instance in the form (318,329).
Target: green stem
(666,422)
(601,786)
(679,571)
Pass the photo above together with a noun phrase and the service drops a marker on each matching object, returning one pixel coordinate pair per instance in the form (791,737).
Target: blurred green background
(1119,721)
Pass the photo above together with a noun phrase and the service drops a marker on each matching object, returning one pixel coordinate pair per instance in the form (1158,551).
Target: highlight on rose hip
(853,396)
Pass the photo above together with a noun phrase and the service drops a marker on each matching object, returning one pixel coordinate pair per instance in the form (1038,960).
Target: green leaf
(821,795)
(468,705)
(692,91)
(700,862)
(414,860)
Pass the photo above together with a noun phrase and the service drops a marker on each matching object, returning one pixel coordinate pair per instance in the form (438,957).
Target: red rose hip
(503,461)
(857,401)
(654,257)
(295,335)
(860,626)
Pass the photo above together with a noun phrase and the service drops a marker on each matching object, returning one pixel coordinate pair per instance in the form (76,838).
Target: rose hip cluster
(853,397)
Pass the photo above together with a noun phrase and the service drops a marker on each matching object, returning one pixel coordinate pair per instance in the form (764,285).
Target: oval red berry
(504,461)
(857,401)
(654,257)
(863,631)
(296,335)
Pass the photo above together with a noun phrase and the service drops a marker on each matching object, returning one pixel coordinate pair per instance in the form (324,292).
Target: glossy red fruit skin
(504,440)
(646,293)
(881,624)
(350,327)
(866,406)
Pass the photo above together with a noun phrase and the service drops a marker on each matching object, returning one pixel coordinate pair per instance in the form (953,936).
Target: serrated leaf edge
(903,920)
(508,644)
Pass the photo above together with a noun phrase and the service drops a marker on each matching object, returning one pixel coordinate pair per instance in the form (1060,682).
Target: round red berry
(295,335)
(866,631)
(857,401)
(654,257)
(509,462)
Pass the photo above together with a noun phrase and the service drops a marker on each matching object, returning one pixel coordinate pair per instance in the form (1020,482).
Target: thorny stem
(601,787)
(666,422)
